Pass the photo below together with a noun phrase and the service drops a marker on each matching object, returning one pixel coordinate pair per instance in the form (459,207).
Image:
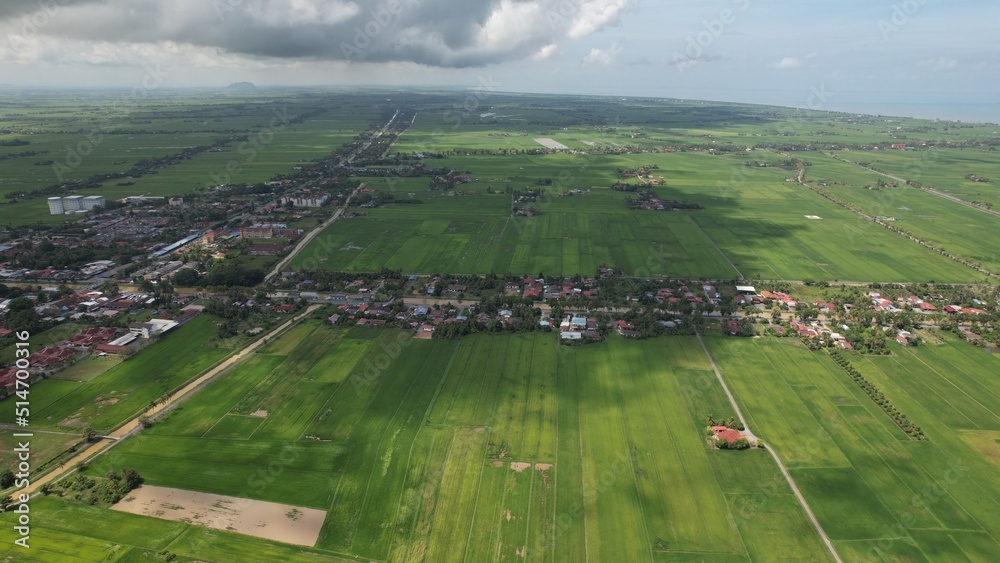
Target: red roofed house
(734,327)
(728,434)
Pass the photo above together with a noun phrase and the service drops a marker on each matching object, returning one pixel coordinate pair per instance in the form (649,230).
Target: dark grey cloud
(20,8)
(447,33)
(37,13)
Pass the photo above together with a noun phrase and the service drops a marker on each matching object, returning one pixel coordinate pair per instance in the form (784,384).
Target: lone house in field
(730,435)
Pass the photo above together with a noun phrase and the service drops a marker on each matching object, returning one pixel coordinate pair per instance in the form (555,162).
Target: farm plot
(122,391)
(58,534)
(754,225)
(268,520)
(490,448)
(947,224)
(874,490)
(766,232)
(569,237)
(966,173)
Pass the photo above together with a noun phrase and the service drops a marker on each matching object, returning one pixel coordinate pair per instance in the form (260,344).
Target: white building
(140,199)
(73,203)
(151,328)
(90,202)
(306,200)
(56,206)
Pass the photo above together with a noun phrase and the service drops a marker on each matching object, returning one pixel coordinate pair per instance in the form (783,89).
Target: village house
(730,435)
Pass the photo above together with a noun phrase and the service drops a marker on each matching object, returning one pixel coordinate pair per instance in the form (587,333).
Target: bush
(97,492)
(739,444)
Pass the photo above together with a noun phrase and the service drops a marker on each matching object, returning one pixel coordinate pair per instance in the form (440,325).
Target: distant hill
(241,86)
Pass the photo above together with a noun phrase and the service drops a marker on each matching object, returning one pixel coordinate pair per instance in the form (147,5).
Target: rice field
(491,448)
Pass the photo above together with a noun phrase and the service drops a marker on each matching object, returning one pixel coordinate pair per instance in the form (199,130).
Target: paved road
(133,426)
(312,234)
(315,232)
(769,448)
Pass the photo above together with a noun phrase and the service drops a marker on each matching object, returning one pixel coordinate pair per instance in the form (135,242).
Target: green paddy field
(502,447)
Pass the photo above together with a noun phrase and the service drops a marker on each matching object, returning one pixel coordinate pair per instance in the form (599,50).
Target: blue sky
(912,56)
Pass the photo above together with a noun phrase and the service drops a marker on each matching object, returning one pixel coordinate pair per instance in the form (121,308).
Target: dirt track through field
(133,426)
(781,466)
(721,253)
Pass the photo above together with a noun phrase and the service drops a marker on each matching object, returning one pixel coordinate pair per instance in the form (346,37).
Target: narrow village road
(312,234)
(133,426)
(770,448)
(316,231)
(932,191)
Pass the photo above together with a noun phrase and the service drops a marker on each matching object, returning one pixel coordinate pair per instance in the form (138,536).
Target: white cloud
(593,15)
(511,24)
(603,57)
(545,52)
(787,62)
(687,63)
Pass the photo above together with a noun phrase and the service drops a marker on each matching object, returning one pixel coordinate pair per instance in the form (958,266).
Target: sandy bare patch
(480,429)
(260,413)
(269,520)
(520,552)
(543,466)
(110,401)
(813,217)
(507,515)
(550,143)
(519,466)
(497,463)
